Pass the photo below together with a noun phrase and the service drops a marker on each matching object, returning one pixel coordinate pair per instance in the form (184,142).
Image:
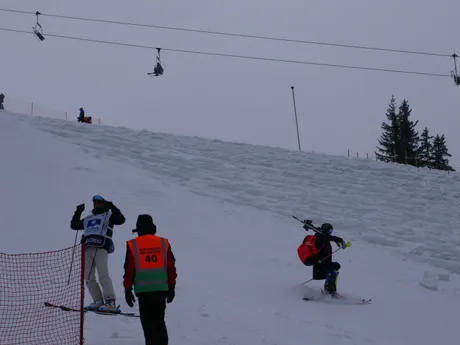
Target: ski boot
(330,285)
(95,305)
(109,307)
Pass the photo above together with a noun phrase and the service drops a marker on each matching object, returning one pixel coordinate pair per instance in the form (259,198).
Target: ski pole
(319,263)
(348,244)
(335,251)
(307,281)
(73,254)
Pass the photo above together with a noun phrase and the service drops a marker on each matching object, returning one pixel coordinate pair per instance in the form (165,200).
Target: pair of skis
(337,298)
(47,304)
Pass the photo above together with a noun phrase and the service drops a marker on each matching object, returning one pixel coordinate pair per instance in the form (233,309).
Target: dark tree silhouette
(389,139)
(425,149)
(440,154)
(406,151)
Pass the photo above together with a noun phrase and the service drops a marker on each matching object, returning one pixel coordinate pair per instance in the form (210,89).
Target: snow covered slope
(411,211)
(227,210)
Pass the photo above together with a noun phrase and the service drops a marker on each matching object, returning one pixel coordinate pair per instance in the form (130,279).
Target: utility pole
(295,114)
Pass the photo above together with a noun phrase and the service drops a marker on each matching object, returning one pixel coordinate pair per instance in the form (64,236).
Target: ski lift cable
(400,51)
(261,58)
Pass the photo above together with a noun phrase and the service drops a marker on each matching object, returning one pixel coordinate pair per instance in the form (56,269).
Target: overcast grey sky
(241,100)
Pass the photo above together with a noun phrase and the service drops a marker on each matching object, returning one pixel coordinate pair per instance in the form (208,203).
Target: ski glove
(339,241)
(171,294)
(81,208)
(342,244)
(129,297)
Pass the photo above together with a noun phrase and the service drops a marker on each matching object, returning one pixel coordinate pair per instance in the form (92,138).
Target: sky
(234,99)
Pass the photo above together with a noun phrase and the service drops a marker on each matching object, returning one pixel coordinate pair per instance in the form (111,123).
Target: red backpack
(308,248)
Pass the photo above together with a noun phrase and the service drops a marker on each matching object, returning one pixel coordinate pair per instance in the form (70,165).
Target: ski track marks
(393,206)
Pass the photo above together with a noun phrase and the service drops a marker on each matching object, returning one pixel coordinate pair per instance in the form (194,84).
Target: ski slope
(226,208)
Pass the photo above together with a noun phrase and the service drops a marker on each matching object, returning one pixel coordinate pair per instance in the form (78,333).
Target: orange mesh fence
(30,285)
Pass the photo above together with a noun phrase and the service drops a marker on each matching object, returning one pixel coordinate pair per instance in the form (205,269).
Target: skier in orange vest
(150,267)
(316,251)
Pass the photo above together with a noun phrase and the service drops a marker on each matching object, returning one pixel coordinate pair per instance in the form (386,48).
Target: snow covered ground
(226,209)
(410,211)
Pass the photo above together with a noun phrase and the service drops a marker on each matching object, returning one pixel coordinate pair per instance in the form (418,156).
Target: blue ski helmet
(326,228)
(97,197)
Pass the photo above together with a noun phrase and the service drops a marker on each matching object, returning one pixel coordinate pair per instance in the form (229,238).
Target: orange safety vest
(151,257)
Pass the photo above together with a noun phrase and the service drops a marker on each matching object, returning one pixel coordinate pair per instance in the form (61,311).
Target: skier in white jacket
(98,227)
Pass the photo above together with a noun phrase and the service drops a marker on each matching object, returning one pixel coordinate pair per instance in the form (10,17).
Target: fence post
(66,116)
(32,109)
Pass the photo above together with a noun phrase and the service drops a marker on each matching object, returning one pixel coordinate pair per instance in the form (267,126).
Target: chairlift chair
(158,69)
(38,30)
(454,73)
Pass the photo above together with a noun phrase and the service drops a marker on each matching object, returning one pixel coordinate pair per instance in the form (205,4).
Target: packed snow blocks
(30,281)
(430,280)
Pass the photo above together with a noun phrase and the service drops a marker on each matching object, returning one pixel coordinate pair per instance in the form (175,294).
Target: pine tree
(425,149)
(406,151)
(441,154)
(389,139)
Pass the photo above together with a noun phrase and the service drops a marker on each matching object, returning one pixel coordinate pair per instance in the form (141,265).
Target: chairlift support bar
(455,56)
(159,54)
(38,24)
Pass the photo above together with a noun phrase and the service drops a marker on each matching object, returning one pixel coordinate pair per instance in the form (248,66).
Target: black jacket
(323,243)
(117,218)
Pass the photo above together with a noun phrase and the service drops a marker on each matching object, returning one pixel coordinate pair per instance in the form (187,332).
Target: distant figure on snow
(316,251)
(2,99)
(82,115)
(84,119)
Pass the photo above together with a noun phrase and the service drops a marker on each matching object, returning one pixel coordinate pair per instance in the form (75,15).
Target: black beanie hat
(145,225)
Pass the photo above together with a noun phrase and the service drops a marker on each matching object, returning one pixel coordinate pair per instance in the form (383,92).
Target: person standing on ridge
(98,227)
(2,99)
(316,251)
(82,115)
(150,267)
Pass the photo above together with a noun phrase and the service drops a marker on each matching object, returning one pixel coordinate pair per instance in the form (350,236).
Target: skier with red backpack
(316,251)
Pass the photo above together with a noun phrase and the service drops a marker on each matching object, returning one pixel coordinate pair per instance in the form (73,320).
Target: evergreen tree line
(400,142)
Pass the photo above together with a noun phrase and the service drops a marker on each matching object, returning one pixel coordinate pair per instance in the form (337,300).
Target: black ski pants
(321,269)
(152,307)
